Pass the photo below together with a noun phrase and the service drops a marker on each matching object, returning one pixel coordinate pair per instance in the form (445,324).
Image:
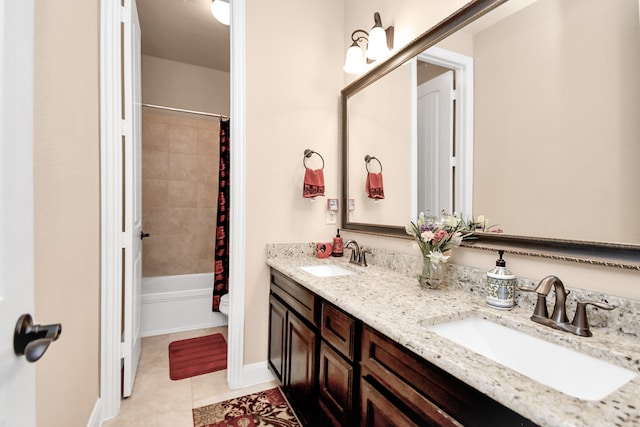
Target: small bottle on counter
(501,286)
(337,245)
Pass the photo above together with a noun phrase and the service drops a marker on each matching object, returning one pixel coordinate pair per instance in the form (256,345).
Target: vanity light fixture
(379,43)
(220,10)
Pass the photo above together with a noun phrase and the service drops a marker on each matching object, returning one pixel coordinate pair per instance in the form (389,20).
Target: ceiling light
(220,9)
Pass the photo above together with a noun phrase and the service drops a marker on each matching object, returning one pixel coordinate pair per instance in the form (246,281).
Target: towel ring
(308,153)
(368,158)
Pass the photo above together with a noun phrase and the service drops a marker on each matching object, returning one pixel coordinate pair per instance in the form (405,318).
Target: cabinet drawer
(430,392)
(298,298)
(339,330)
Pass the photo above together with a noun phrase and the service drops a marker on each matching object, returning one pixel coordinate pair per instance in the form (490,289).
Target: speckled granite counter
(395,305)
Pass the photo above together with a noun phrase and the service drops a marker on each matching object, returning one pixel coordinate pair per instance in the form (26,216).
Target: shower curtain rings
(308,153)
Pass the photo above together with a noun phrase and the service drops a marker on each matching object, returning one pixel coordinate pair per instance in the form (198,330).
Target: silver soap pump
(501,286)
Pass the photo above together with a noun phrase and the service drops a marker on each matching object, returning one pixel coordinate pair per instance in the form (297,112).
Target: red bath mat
(197,356)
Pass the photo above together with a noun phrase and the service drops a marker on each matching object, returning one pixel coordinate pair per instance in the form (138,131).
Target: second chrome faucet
(558,320)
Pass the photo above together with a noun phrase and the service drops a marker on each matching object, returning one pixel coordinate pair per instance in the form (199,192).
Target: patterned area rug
(267,408)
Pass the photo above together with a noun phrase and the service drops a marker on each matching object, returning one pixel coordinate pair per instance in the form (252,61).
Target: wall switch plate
(331,217)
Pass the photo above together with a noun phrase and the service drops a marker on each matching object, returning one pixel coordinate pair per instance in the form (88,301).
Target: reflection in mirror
(555,128)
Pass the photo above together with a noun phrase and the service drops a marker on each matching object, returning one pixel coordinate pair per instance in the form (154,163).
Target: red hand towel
(374,186)
(313,183)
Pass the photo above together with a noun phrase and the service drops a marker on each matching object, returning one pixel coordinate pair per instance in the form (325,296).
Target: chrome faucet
(358,254)
(558,320)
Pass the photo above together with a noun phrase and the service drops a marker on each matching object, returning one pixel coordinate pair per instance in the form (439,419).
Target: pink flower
(439,235)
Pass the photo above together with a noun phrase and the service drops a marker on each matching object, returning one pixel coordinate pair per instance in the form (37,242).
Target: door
(17,376)
(436,162)
(132,140)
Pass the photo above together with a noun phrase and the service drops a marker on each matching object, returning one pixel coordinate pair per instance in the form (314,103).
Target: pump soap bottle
(500,286)
(337,245)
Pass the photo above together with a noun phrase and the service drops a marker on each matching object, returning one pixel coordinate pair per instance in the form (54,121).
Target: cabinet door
(277,334)
(301,367)
(378,411)
(336,387)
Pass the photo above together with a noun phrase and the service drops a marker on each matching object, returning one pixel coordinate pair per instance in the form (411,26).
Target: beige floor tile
(157,401)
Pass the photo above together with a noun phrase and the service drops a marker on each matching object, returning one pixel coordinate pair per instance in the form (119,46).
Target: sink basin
(326,270)
(563,369)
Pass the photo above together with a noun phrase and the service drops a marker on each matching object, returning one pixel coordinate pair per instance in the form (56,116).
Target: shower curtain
(221,266)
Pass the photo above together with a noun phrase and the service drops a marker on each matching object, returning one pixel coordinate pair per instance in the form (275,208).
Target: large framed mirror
(545,129)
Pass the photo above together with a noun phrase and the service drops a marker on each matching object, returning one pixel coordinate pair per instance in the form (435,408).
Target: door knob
(33,340)
(143,235)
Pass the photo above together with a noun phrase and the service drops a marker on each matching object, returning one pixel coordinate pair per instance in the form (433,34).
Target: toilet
(224,304)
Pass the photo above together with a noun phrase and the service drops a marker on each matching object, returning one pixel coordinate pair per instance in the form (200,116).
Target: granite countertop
(398,307)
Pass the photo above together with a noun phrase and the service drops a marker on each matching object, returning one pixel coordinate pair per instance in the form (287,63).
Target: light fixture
(220,9)
(379,43)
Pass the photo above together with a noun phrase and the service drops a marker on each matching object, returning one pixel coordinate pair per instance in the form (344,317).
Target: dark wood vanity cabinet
(336,371)
(293,343)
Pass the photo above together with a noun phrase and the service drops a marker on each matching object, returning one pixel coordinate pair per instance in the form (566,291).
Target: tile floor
(157,401)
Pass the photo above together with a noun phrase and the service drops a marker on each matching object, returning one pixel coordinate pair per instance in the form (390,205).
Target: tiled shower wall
(180,155)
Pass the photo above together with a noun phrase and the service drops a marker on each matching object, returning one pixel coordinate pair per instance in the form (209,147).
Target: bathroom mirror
(555,129)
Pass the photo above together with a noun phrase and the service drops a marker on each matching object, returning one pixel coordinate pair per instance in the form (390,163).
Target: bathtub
(177,303)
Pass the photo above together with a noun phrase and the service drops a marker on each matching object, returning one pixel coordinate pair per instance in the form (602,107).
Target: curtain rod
(181,110)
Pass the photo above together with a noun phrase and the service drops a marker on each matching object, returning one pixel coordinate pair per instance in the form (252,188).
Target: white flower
(451,221)
(456,239)
(437,257)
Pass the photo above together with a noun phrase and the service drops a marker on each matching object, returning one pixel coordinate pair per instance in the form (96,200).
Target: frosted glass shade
(355,63)
(220,10)
(377,48)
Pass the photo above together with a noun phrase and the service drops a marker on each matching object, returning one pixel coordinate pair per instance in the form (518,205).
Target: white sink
(326,270)
(563,369)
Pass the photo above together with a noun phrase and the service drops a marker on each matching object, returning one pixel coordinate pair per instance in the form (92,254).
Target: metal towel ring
(308,153)
(368,158)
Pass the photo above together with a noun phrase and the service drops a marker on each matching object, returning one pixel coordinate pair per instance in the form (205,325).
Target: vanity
(357,350)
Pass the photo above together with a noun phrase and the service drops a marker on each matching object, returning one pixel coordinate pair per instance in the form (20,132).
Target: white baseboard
(95,420)
(255,373)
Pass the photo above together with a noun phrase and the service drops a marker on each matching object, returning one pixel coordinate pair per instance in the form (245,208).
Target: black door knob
(33,340)
(143,235)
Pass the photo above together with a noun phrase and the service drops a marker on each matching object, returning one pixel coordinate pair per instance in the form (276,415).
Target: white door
(132,137)
(17,376)
(435,145)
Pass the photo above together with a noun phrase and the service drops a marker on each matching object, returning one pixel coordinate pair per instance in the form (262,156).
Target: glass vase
(431,274)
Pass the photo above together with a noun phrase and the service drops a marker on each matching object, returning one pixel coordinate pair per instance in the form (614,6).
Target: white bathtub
(177,303)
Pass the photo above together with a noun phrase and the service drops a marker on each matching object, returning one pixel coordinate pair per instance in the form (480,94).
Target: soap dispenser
(338,250)
(501,286)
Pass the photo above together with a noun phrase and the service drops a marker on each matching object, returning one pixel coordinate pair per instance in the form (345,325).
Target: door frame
(111,209)
(463,67)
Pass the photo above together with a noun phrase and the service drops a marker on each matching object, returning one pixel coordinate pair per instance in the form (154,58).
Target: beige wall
(294,75)
(180,155)
(179,85)
(67,208)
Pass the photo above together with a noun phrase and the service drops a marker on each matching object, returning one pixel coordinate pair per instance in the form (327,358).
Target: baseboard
(95,420)
(255,373)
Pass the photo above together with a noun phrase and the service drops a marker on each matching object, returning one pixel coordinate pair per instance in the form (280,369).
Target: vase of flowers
(436,237)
